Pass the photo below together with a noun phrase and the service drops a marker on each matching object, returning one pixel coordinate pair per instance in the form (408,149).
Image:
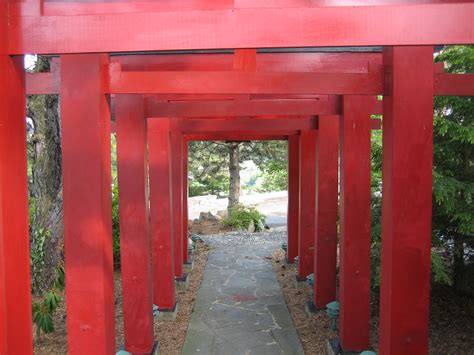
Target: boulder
(251,228)
(207,216)
(222,213)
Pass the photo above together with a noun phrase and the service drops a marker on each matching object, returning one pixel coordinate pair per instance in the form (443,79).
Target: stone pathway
(240,308)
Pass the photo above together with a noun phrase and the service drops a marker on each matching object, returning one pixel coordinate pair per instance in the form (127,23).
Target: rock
(251,228)
(223,214)
(207,216)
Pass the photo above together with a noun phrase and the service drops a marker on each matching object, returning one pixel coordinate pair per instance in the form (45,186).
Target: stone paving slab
(240,308)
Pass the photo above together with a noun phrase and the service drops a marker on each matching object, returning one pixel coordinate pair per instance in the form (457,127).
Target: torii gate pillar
(177,192)
(307,227)
(85,123)
(135,246)
(293,196)
(15,293)
(355,223)
(406,200)
(185,198)
(325,255)
(159,150)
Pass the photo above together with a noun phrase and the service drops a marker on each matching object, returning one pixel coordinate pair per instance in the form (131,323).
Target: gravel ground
(230,239)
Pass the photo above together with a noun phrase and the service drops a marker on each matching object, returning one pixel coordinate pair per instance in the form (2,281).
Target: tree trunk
(45,188)
(234,172)
(458,264)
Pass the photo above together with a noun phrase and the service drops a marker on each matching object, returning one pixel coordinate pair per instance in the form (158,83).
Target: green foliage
(275,176)
(115,227)
(209,165)
(241,217)
(439,270)
(115,205)
(43,311)
(208,168)
(453,171)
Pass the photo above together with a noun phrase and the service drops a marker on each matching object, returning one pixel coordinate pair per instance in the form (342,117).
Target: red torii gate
(408,81)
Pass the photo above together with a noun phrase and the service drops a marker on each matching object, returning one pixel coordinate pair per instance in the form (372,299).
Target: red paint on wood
(307,227)
(327,165)
(293,196)
(406,201)
(354,291)
(454,84)
(135,243)
(177,193)
(241,136)
(15,293)
(237,82)
(302,26)
(234,107)
(67,7)
(201,125)
(185,199)
(42,83)
(375,124)
(85,120)
(266,62)
(245,60)
(223,105)
(161,204)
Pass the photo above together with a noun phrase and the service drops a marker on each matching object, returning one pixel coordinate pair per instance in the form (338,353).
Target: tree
(45,186)
(234,174)
(214,167)
(453,183)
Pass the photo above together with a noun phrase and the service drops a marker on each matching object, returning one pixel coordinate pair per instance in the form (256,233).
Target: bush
(115,227)
(241,217)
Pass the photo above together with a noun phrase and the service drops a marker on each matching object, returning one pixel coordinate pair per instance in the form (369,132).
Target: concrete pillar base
(168,314)
(334,348)
(299,282)
(189,265)
(155,351)
(182,283)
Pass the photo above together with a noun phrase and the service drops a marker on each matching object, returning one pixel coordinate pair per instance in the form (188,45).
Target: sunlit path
(240,308)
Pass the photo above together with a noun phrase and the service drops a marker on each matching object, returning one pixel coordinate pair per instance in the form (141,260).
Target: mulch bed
(451,318)
(169,334)
(206,227)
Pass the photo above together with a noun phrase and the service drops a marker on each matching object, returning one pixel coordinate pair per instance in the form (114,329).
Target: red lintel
(168,82)
(301,26)
(444,84)
(246,124)
(239,136)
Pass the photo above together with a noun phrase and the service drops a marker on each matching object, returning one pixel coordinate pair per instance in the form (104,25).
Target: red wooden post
(177,193)
(354,292)
(15,293)
(307,219)
(293,196)
(185,200)
(132,164)
(159,151)
(327,165)
(85,120)
(406,201)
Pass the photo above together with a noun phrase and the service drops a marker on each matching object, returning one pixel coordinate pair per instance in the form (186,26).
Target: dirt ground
(169,334)
(451,317)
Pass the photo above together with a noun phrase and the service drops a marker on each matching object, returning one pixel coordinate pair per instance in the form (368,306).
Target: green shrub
(115,227)
(241,217)
(43,310)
